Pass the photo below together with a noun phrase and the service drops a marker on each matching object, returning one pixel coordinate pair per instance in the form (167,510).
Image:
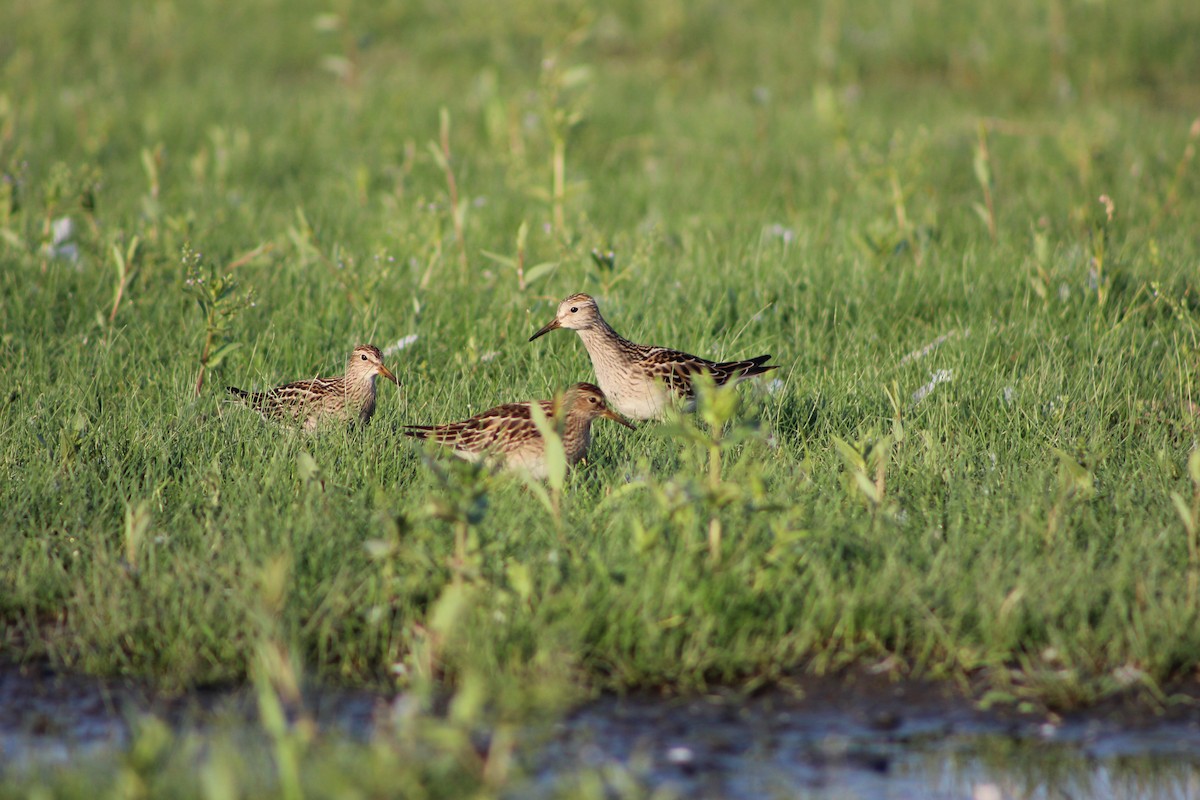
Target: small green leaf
(379,548)
(539,491)
(983,172)
(449,609)
(1185,513)
(683,429)
(438,157)
(1073,477)
(556,457)
(499,259)
(118,262)
(717,404)
(307,468)
(576,76)
(879,450)
(995,697)
(520,579)
(218,355)
(539,270)
(469,700)
(1194,466)
(867,487)
(849,454)
(643,538)
(149,165)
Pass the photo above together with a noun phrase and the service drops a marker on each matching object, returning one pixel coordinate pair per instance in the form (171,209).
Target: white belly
(628,389)
(639,402)
(633,394)
(527,460)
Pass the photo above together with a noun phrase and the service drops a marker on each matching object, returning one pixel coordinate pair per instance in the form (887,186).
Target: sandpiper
(642,381)
(509,434)
(314,401)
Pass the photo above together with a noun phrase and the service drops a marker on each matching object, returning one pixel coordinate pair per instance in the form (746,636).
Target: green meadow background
(966,232)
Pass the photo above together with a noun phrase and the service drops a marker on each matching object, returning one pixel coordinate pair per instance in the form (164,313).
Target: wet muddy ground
(866,737)
(851,736)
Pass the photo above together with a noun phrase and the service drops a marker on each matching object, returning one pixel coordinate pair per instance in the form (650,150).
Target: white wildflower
(60,245)
(62,229)
(778,231)
(1128,675)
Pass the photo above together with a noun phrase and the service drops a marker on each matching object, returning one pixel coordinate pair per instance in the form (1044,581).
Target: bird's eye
(574,309)
(363,356)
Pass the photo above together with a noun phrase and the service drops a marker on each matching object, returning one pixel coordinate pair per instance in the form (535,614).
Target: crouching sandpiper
(346,398)
(509,434)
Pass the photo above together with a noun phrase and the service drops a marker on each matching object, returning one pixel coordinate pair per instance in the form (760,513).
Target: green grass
(808,182)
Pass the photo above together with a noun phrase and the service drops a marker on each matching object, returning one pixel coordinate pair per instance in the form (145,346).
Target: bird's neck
(600,339)
(576,436)
(360,392)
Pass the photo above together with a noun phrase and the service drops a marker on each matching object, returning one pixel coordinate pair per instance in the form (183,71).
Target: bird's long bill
(387,373)
(615,417)
(549,326)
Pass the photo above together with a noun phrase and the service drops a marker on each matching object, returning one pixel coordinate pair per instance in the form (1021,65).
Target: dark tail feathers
(750,367)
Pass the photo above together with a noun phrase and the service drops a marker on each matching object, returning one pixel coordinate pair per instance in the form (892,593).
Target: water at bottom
(897,742)
(835,738)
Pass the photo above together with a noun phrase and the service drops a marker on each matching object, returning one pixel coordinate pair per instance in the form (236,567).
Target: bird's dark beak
(615,417)
(549,326)
(387,373)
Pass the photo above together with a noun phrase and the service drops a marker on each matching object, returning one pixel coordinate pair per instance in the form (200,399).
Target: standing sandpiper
(317,400)
(642,381)
(509,433)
